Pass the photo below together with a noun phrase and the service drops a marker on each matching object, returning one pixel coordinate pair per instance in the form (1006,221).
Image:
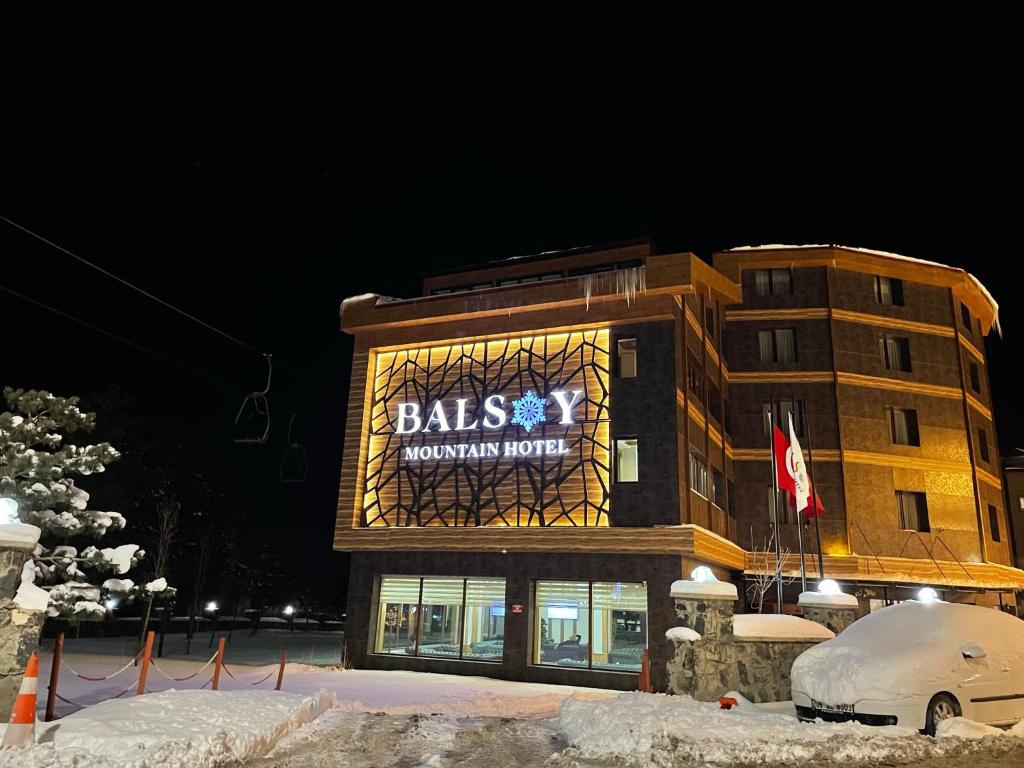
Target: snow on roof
(778,626)
(703,589)
(842,600)
(887,254)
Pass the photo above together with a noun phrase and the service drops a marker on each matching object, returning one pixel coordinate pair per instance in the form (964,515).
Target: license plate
(835,709)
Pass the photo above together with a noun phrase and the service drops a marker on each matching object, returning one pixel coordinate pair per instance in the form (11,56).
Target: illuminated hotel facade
(537,448)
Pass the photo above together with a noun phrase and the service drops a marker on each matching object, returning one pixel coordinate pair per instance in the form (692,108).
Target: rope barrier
(187,677)
(267,677)
(69,701)
(72,670)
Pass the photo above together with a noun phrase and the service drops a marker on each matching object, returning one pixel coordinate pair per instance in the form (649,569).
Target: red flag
(786,476)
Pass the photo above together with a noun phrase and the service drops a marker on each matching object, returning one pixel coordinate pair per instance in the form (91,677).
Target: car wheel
(943,706)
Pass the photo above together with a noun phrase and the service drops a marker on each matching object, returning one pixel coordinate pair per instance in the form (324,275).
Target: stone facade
(720,662)
(835,618)
(19,630)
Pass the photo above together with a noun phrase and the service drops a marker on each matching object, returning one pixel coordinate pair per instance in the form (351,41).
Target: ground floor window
(442,617)
(590,624)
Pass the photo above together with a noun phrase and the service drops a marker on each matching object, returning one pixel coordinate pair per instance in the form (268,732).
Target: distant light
(8,511)
(927,595)
(829,587)
(111,603)
(289,610)
(212,605)
(702,573)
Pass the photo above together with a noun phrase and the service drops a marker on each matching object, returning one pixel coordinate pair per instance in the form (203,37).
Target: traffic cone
(21,730)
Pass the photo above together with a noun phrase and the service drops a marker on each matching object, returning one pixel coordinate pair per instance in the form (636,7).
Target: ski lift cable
(121,339)
(147,294)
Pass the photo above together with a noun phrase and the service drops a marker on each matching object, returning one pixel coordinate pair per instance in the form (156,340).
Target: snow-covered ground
(420,719)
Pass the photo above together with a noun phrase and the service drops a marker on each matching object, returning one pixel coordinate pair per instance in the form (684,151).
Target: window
(975,377)
(965,315)
(698,473)
(717,488)
(993,522)
(783,410)
(441,617)
(895,353)
(983,445)
(785,507)
(695,377)
(889,290)
(714,401)
(627,358)
(903,426)
(773,282)
(709,320)
(626,460)
(777,345)
(913,511)
(590,625)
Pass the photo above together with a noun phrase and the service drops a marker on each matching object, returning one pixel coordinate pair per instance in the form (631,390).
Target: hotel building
(537,448)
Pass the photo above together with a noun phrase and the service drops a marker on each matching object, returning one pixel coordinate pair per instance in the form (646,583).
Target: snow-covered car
(914,664)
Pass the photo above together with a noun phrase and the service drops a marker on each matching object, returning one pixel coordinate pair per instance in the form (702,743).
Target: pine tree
(38,470)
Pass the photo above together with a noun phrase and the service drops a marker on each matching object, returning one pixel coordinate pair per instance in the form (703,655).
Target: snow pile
(29,597)
(632,726)
(703,589)
(825,600)
(19,535)
(962,728)
(159,585)
(906,650)
(682,634)
(778,626)
(183,728)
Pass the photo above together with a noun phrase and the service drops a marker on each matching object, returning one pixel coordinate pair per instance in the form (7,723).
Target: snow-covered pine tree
(38,469)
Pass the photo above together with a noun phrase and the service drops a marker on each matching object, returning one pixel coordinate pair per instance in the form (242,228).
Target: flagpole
(800,527)
(814,490)
(775,503)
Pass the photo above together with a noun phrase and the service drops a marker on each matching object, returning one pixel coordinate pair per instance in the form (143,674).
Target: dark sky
(258,187)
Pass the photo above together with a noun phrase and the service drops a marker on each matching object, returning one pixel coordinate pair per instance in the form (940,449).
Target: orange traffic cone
(22,728)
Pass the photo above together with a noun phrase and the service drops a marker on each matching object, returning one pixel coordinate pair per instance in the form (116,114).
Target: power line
(129,342)
(36,236)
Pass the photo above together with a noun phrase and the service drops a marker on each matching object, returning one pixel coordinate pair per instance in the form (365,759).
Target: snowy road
(365,740)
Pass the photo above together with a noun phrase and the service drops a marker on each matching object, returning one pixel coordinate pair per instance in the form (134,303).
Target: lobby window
(773,282)
(889,290)
(993,522)
(965,315)
(627,358)
(777,345)
(983,445)
(698,473)
(975,376)
(903,426)
(913,508)
(590,624)
(895,353)
(441,617)
(717,488)
(783,410)
(627,464)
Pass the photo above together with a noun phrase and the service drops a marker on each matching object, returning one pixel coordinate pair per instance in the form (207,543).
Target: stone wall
(719,662)
(19,630)
(835,618)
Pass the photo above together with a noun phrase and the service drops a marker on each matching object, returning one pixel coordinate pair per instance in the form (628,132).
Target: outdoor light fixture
(829,587)
(288,610)
(211,606)
(8,511)
(702,573)
(927,595)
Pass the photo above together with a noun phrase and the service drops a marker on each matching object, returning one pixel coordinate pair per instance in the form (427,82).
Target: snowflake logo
(530,411)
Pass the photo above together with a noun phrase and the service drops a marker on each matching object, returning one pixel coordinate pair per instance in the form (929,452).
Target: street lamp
(211,607)
(110,603)
(829,587)
(8,511)
(289,611)
(927,595)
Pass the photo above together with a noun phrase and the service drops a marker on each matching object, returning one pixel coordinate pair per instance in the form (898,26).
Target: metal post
(144,669)
(775,506)
(814,492)
(51,695)
(213,627)
(280,671)
(218,663)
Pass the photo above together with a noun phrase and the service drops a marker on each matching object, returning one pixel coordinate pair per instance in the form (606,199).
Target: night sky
(259,188)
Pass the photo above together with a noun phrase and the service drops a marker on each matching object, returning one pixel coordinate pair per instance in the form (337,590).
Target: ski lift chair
(294,466)
(252,424)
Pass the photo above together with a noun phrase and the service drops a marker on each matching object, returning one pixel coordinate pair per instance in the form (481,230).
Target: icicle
(622,281)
